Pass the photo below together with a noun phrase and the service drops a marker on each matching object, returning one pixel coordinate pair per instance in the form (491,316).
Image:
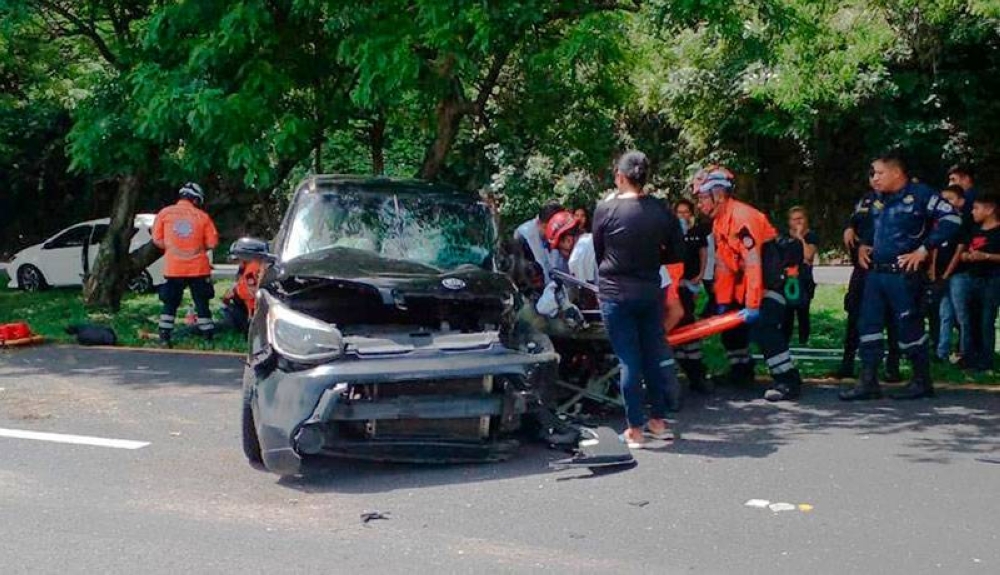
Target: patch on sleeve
(746,237)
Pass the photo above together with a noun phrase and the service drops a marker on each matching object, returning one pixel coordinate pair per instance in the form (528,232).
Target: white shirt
(529,232)
(583,260)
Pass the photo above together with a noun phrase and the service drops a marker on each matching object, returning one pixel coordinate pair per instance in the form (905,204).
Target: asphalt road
(893,488)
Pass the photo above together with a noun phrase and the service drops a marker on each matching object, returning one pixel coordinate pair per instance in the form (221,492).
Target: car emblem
(453,283)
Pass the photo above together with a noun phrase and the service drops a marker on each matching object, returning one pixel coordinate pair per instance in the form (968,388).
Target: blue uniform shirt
(908,219)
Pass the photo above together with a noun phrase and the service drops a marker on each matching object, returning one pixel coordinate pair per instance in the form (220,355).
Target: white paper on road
(778,507)
(757,503)
(73,439)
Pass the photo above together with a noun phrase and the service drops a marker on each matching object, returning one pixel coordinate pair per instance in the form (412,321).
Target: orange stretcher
(16,334)
(704,328)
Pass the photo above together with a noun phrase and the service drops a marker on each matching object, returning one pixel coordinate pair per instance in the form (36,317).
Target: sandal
(664,435)
(645,444)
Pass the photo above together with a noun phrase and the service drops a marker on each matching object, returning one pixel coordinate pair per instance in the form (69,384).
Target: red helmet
(559,225)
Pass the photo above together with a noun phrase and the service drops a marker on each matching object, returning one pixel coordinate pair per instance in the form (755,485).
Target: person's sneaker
(781,392)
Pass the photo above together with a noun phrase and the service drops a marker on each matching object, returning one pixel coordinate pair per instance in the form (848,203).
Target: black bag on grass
(87,334)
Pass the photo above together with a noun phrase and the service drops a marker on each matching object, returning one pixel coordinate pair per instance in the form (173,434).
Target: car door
(61,256)
(90,254)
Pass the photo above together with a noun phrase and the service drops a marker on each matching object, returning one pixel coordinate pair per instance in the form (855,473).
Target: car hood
(389,275)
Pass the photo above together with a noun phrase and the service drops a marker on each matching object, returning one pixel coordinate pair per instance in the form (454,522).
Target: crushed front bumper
(438,407)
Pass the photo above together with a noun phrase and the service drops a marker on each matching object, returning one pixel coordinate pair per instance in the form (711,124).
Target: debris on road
(779,507)
(638,503)
(373,516)
(760,503)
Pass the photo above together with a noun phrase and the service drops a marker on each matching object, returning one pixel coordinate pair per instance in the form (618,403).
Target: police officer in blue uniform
(860,231)
(910,220)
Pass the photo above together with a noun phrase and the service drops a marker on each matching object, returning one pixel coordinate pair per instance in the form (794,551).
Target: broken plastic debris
(760,503)
(779,507)
(373,515)
(175,433)
(805,507)
(638,503)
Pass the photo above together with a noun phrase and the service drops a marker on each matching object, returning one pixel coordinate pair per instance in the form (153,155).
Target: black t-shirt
(985,241)
(948,249)
(633,237)
(695,240)
(806,273)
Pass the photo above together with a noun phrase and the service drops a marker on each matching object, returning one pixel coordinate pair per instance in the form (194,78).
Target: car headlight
(300,337)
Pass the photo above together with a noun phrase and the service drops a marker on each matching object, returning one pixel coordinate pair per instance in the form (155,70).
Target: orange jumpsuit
(740,232)
(185,233)
(748,275)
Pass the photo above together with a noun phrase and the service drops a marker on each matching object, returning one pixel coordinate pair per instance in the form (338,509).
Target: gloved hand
(750,315)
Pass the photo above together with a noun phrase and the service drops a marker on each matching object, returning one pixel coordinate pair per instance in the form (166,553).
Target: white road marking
(74,439)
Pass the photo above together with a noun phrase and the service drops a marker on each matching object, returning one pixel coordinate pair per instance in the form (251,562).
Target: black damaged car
(385,331)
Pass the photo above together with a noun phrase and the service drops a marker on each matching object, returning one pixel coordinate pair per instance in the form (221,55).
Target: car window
(432,231)
(100,230)
(71,238)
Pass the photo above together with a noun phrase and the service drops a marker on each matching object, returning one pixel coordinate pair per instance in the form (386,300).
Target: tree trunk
(113,270)
(450,111)
(376,139)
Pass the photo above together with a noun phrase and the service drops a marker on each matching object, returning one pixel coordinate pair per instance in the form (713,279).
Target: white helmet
(192,192)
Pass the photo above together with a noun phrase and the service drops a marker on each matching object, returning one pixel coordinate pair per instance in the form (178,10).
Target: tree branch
(89,32)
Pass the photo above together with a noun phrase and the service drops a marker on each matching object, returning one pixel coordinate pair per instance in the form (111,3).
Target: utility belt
(889,269)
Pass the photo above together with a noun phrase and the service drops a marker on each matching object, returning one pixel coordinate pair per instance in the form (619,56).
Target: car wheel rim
(30,279)
(140,284)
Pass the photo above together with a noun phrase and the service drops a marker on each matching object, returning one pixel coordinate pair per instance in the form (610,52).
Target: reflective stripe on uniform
(868,338)
(667,362)
(921,341)
(783,368)
(953,219)
(166,321)
(773,295)
(778,359)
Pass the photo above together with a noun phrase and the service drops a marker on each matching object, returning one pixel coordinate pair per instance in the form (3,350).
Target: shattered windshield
(441,232)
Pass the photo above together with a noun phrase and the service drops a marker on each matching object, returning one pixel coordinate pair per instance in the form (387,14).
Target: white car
(66,257)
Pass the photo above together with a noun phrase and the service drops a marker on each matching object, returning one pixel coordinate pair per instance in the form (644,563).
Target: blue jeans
(946,313)
(635,328)
(960,291)
(987,294)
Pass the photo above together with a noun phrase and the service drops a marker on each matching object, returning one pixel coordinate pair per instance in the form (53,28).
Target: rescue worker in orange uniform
(241,301)
(186,233)
(749,275)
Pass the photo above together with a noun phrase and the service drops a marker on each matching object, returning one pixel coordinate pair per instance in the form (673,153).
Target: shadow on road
(134,369)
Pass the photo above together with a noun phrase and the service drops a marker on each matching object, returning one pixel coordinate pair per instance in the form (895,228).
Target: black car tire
(30,278)
(142,283)
(251,444)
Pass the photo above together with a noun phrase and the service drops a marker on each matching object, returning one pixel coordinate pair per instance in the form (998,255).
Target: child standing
(983,258)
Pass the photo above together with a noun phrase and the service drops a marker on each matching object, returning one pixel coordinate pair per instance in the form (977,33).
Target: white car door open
(61,259)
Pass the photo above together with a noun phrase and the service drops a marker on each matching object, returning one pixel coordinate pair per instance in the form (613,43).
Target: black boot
(867,387)
(165,338)
(787,389)
(740,375)
(698,380)
(892,374)
(920,385)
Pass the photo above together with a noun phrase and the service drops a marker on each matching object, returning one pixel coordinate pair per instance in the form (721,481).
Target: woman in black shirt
(634,235)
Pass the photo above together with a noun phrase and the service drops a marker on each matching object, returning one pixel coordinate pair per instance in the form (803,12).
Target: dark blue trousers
(896,296)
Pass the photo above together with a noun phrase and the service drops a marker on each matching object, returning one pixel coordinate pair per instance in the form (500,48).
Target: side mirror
(251,249)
